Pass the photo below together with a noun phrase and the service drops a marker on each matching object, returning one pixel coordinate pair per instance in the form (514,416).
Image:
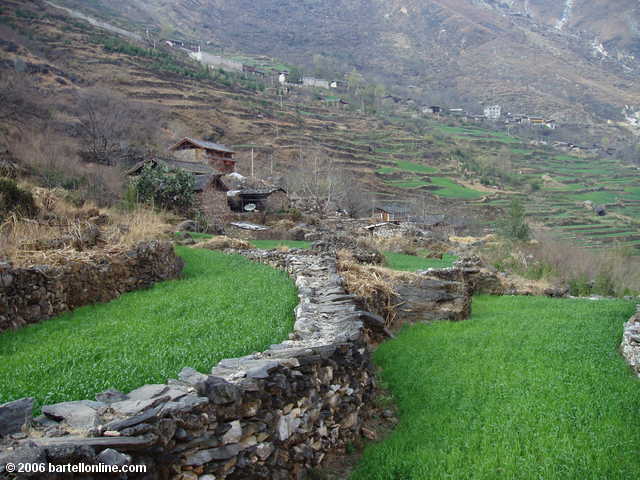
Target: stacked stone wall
(36,293)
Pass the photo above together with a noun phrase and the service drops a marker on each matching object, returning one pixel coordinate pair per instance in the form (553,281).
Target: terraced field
(392,154)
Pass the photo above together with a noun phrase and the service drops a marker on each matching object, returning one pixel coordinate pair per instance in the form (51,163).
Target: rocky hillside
(572,60)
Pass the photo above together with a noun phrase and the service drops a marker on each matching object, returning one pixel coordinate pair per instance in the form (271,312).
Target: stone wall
(270,415)
(630,346)
(30,295)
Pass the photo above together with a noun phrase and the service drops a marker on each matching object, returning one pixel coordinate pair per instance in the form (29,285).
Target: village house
(392,212)
(217,156)
(493,112)
(315,82)
(271,200)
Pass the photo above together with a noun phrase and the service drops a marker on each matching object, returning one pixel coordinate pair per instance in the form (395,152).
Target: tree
(295,75)
(514,226)
(114,130)
(355,80)
(165,188)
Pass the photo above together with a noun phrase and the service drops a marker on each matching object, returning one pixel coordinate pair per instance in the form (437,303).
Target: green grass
(411,263)
(271,244)
(225,306)
(450,189)
(528,388)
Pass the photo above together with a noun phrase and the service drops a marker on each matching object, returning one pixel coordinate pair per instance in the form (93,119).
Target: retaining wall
(630,346)
(271,415)
(33,294)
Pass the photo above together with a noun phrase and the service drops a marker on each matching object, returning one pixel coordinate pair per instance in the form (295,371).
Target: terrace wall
(630,346)
(271,415)
(33,294)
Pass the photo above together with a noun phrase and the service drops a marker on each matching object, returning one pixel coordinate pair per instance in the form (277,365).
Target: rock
(220,391)
(187,226)
(14,415)
(264,450)
(118,425)
(28,453)
(195,378)
(234,434)
(205,456)
(375,323)
(113,457)
(128,408)
(111,396)
(79,415)
(147,392)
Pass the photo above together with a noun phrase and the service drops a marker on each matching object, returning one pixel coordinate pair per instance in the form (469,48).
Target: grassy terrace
(225,306)
(528,388)
(411,263)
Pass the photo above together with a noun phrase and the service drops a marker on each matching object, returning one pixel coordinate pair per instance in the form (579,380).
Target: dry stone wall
(33,294)
(631,342)
(269,415)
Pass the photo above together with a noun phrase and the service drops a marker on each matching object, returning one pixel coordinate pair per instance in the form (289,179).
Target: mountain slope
(572,60)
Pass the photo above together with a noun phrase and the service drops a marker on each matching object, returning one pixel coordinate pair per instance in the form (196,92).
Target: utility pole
(251,162)
(271,158)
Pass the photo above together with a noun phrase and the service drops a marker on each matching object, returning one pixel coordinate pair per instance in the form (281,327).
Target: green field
(528,388)
(271,244)
(411,263)
(225,306)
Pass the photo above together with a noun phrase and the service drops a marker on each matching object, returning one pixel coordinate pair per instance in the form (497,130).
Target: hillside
(452,51)
(462,169)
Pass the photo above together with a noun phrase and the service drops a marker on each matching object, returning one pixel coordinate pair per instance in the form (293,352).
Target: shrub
(166,189)
(14,199)
(514,226)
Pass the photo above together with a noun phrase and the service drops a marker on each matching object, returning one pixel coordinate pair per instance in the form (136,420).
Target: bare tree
(19,100)
(115,130)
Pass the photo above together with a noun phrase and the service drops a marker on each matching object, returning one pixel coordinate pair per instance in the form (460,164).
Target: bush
(166,189)
(514,226)
(14,199)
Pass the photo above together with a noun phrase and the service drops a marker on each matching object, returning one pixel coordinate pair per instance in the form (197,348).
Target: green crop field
(411,263)
(528,388)
(271,244)
(225,306)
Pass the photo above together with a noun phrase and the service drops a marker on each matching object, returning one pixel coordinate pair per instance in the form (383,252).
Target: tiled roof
(203,144)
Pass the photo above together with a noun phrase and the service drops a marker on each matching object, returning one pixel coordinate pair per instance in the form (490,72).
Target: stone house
(209,188)
(217,156)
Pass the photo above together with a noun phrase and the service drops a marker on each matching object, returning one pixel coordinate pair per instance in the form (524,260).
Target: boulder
(14,415)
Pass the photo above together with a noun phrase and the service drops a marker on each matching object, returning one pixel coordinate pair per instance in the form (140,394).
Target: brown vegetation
(222,242)
(610,272)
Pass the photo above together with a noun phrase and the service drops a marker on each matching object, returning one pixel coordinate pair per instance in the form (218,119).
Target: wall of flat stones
(630,346)
(269,415)
(33,294)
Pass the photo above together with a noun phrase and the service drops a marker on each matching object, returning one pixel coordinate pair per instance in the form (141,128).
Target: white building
(493,112)
(315,82)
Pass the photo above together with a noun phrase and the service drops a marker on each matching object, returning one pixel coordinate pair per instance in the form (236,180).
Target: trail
(97,23)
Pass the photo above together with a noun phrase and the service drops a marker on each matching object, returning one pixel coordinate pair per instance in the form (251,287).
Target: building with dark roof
(217,156)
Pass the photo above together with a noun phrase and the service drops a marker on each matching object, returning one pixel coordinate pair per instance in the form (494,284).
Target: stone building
(217,156)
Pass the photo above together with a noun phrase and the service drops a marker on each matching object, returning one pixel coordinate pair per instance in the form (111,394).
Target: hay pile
(222,242)
(374,285)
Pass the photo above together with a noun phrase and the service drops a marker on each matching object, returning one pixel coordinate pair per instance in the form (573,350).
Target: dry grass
(406,244)
(375,285)
(64,229)
(610,272)
(222,242)
(137,226)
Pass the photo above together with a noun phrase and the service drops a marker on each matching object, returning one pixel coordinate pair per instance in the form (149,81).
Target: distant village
(490,113)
